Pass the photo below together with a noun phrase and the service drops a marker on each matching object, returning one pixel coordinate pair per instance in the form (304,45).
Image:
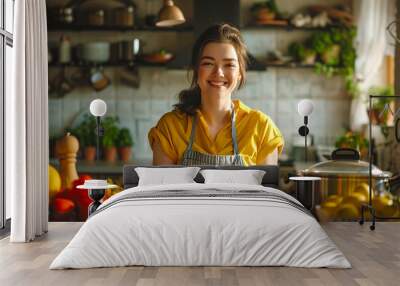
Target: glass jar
(96,17)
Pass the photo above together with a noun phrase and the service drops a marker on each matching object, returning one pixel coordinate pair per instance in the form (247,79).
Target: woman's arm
(272,158)
(159,157)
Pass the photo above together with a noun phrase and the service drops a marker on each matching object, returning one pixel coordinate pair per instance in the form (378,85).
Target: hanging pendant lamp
(170,15)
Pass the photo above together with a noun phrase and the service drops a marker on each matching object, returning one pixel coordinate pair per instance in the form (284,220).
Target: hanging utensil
(99,79)
(130,76)
(62,85)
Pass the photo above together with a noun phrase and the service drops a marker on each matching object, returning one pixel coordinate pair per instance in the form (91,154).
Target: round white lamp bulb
(98,107)
(305,107)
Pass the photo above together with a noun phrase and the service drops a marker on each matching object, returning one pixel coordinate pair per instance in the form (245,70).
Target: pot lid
(347,168)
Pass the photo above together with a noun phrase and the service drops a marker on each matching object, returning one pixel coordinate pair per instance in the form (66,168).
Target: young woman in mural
(207,127)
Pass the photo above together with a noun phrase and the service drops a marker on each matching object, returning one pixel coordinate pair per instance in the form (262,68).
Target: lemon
(329,207)
(54,181)
(353,199)
(384,205)
(363,188)
(335,198)
(360,197)
(348,210)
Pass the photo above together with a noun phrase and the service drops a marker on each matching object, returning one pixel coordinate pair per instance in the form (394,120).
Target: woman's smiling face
(218,72)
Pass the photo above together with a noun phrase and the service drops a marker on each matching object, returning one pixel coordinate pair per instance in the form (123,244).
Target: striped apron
(194,158)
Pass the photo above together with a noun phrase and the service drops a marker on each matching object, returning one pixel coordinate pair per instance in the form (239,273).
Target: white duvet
(183,231)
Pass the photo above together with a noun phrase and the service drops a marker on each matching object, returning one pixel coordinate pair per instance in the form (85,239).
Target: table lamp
(305,107)
(96,188)
(170,15)
(98,108)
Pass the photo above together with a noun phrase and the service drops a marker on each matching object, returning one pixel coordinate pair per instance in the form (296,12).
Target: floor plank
(374,255)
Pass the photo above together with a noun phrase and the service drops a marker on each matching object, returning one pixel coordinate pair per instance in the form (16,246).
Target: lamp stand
(303,131)
(96,194)
(99,133)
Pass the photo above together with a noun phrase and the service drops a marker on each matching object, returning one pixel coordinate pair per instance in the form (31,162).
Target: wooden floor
(375,256)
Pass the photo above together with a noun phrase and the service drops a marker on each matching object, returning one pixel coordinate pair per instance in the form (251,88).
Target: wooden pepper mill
(66,149)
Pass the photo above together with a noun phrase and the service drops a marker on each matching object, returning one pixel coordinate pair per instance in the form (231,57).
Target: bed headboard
(270,179)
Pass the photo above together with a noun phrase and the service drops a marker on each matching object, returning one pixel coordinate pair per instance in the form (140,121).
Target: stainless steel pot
(344,184)
(126,51)
(97,52)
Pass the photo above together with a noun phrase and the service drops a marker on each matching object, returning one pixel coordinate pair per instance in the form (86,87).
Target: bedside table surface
(305,178)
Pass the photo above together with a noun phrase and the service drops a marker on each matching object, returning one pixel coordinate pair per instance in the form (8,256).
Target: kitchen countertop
(102,167)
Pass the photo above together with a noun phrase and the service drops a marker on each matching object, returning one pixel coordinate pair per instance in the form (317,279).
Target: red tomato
(81,180)
(63,206)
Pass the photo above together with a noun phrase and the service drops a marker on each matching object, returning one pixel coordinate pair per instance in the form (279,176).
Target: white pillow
(164,176)
(249,177)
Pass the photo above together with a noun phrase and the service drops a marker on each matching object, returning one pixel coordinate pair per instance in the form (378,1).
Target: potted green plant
(300,53)
(109,139)
(336,54)
(86,134)
(324,44)
(354,140)
(264,11)
(380,113)
(124,144)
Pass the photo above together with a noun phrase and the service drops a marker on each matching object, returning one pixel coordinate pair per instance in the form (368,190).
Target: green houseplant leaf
(110,125)
(85,131)
(340,62)
(124,138)
(269,4)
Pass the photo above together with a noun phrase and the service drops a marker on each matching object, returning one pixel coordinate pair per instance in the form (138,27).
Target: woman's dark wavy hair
(190,99)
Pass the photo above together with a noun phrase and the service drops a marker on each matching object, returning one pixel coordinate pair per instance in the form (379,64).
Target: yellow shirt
(257,135)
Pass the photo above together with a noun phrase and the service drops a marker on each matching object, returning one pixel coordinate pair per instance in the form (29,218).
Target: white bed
(250,225)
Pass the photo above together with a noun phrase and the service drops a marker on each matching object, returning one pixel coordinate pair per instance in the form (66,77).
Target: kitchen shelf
(260,66)
(113,28)
(288,27)
(184,28)
(288,65)
(107,64)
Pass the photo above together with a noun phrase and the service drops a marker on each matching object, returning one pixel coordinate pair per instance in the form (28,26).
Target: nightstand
(305,190)
(96,190)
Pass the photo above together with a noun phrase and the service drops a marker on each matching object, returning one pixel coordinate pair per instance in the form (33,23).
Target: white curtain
(27,124)
(371,24)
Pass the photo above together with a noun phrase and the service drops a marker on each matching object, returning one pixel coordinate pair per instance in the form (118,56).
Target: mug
(99,80)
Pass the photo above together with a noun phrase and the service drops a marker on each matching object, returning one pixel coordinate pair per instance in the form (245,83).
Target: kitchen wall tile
(125,92)
(56,125)
(162,88)
(142,148)
(141,108)
(267,82)
(124,110)
(160,106)
(259,42)
(70,109)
